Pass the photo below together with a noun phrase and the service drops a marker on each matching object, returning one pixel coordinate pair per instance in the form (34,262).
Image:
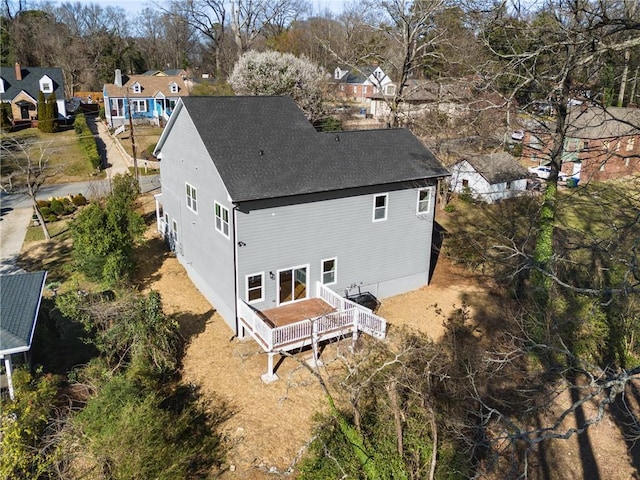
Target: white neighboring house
(489,177)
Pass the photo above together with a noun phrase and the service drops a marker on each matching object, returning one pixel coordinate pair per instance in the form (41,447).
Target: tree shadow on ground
(55,261)
(192,325)
(626,419)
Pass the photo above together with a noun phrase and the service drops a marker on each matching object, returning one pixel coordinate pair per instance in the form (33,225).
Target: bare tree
(26,169)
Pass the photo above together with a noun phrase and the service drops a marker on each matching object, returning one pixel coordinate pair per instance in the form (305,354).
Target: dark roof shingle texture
(497,167)
(19,303)
(30,82)
(264,147)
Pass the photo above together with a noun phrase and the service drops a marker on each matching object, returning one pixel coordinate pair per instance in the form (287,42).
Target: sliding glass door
(292,284)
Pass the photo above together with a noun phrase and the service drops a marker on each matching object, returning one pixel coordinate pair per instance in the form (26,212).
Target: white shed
(489,177)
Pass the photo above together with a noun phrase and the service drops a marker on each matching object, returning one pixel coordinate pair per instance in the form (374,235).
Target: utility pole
(133,143)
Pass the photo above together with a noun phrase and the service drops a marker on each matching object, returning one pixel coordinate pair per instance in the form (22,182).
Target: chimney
(118,80)
(18,72)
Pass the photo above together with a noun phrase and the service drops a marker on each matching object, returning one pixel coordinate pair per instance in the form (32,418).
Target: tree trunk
(623,80)
(43,224)
(397,416)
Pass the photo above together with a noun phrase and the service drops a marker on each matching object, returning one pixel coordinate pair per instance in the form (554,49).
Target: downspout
(235,270)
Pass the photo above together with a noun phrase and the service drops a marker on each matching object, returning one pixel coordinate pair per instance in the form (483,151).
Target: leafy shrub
(43,203)
(79,200)
(136,433)
(45,210)
(104,236)
(466,195)
(450,208)
(5,115)
(24,424)
(87,141)
(51,218)
(57,207)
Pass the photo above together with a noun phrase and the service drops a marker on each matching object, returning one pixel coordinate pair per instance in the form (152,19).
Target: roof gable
(264,147)
(595,122)
(149,86)
(19,305)
(31,82)
(496,167)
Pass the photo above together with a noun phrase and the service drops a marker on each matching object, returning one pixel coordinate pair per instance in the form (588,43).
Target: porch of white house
(307,322)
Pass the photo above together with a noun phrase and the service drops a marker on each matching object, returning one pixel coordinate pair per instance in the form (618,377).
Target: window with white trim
(380,207)
(46,84)
(329,269)
(136,88)
(255,287)
(424,201)
(630,143)
(173,87)
(222,219)
(174,230)
(192,198)
(139,105)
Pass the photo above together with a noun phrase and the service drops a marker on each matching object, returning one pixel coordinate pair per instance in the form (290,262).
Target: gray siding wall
(385,258)
(205,253)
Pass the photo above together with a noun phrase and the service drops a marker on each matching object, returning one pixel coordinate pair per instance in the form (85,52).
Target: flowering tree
(274,73)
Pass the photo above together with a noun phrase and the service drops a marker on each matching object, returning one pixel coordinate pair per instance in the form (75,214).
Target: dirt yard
(272,424)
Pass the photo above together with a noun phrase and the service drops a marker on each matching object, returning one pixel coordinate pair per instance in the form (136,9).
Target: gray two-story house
(274,221)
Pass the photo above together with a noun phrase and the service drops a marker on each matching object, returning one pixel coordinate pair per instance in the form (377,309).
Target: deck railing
(348,317)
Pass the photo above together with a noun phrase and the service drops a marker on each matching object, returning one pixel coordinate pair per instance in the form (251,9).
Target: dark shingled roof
(264,147)
(30,82)
(20,295)
(497,167)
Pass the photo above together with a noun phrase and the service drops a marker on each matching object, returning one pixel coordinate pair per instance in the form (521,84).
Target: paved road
(16,209)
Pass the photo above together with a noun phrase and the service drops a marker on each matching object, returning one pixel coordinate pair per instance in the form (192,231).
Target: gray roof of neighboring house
(264,147)
(430,91)
(497,167)
(20,295)
(594,122)
(30,82)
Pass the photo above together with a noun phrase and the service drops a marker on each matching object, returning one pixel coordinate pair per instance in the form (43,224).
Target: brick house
(600,144)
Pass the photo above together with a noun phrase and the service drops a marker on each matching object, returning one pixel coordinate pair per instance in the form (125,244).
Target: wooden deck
(295,312)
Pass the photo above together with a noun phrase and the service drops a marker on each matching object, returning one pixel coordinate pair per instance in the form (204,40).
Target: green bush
(135,433)
(57,207)
(87,141)
(45,210)
(51,218)
(23,440)
(104,236)
(43,203)
(79,200)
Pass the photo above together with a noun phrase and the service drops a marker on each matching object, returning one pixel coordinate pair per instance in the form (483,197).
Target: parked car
(543,171)
(517,135)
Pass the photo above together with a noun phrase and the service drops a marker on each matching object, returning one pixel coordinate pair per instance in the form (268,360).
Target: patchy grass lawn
(145,138)
(63,151)
(58,229)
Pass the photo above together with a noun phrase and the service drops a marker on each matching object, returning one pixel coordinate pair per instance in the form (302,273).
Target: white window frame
(419,202)
(174,229)
(630,143)
(220,221)
(173,87)
(136,88)
(46,84)
(307,269)
(323,272)
(191,194)
(386,207)
(247,289)
(136,103)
